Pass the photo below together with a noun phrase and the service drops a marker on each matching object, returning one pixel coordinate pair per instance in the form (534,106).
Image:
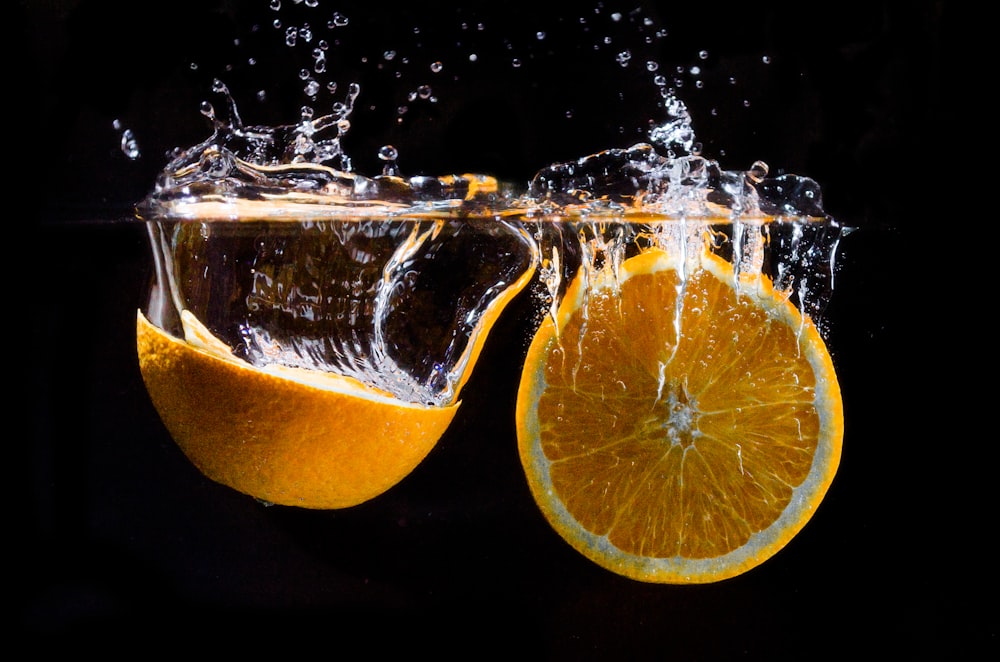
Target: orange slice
(283,435)
(678,424)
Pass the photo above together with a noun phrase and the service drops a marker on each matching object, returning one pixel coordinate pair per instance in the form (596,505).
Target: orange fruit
(288,436)
(309,437)
(677,423)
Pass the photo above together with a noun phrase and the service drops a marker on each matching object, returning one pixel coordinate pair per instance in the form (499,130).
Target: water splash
(386,278)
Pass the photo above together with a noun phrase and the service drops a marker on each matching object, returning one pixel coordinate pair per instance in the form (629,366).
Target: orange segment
(284,435)
(678,428)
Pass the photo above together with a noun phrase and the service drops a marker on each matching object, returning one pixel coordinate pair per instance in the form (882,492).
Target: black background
(123,537)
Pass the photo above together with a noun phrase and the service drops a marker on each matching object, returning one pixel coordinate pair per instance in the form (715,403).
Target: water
(395,303)
(290,257)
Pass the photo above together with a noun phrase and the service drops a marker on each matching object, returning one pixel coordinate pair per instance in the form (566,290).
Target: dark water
(121,540)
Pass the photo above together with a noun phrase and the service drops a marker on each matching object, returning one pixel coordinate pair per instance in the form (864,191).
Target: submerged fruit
(284,435)
(677,423)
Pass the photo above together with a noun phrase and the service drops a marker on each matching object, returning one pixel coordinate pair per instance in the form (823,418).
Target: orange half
(283,435)
(677,423)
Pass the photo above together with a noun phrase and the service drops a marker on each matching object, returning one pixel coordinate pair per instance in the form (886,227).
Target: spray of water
(385,278)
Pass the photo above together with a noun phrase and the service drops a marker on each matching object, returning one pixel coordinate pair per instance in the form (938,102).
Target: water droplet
(616,16)
(516,63)
(338,20)
(473,57)
(766,59)
(703,55)
(388,55)
(130,147)
(319,65)
(652,65)
(624,57)
(276,5)
(540,35)
(436,67)
(388,153)
(757,172)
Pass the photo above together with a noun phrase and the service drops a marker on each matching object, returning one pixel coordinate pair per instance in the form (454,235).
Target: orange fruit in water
(309,437)
(677,423)
(288,436)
